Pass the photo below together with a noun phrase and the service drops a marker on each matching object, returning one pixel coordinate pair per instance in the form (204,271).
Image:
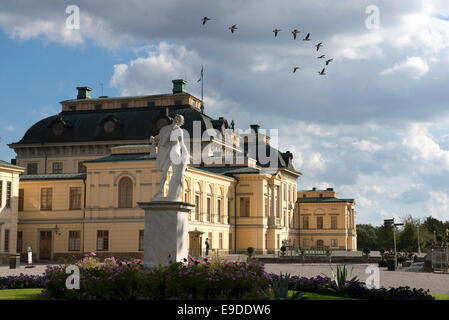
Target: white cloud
(415,67)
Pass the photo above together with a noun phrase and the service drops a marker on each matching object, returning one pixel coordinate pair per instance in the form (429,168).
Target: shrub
(356,289)
(191,279)
(250,252)
(283,249)
(21,281)
(366,251)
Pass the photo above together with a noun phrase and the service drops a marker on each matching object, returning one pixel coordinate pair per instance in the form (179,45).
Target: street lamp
(391,222)
(419,246)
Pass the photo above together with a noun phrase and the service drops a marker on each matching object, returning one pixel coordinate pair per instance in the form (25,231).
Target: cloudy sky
(375,127)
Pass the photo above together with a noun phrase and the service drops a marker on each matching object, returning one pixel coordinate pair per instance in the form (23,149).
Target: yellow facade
(9,203)
(326,221)
(88,167)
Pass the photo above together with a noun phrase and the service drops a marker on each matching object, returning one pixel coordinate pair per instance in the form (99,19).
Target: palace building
(83,171)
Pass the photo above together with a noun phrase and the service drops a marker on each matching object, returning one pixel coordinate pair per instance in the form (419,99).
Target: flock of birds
(295,32)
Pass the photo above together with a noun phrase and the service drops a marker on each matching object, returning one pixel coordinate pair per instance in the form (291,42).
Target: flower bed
(192,279)
(355,289)
(21,282)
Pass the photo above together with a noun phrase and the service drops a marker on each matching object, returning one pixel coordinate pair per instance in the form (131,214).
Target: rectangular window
(319,222)
(19,241)
(57,167)
(8,194)
(219,210)
(72,108)
(102,240)
(141,239)
(208,213)
(46,198)
(244,207)
(21,199)
(75,198)
(229,211)
(98,107)
(124,105)
(267,206)
(6,243)
(178,102)
(230,241)
(210,239)
(74,240)
(220,241)
(334,243)
(150,104)
(32,168)
(81,167)
(334,222)
(305,222)
(197,207)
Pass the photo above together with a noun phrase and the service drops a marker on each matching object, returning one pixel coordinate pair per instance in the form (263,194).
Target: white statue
(171,151)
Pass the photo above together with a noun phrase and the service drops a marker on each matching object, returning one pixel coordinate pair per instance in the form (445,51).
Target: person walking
(207,246)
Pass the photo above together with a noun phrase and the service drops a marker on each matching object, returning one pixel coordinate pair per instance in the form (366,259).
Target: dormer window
(109,126)
(58,128)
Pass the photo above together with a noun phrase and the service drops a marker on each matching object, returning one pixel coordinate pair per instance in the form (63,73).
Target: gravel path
(412,277)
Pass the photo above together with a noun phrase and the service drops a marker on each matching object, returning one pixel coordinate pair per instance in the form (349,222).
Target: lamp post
(391,222)
(419,246)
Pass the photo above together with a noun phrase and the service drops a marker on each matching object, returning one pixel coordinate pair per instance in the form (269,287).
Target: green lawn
(440,296)
(20,294)
(316,296)
(35,294)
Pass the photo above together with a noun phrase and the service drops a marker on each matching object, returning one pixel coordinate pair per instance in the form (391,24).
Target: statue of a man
(171,151)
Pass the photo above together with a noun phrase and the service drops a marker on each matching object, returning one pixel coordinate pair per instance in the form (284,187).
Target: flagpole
(202,87)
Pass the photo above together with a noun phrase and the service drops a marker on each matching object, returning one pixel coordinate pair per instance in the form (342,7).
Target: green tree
(365,238)
(408,238)
(384,238)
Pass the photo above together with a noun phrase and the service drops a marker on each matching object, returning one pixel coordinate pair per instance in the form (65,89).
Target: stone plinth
(166,231)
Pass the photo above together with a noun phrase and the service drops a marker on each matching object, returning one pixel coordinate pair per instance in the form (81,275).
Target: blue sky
(375,127)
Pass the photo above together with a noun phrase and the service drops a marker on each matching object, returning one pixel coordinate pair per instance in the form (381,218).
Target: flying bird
(307,38)
(276,32)
(321,57)
(296,68)
(205,19)
(321,73)
(232,28)
(318,46)
(329,61)
(295,32)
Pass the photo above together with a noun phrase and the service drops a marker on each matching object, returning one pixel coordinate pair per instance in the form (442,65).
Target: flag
(201,77)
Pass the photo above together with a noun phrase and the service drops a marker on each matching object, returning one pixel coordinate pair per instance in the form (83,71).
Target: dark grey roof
(9,165)
(53,176)
(322,200)
(229,171)
(123,157)
(132,124)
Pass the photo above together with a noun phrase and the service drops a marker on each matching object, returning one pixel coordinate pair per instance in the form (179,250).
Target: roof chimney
(179,86)
(83,92)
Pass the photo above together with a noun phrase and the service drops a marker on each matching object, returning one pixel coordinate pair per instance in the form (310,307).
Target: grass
(316,296)
(35,294)
(440,296)
(21,294)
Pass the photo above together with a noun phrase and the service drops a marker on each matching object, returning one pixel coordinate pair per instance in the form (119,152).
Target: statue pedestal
(166,231)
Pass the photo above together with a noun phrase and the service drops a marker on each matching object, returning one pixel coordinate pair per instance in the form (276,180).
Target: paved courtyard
(412,277)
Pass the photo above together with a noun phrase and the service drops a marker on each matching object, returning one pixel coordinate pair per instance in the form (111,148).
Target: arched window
(320,243)
(125,193)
